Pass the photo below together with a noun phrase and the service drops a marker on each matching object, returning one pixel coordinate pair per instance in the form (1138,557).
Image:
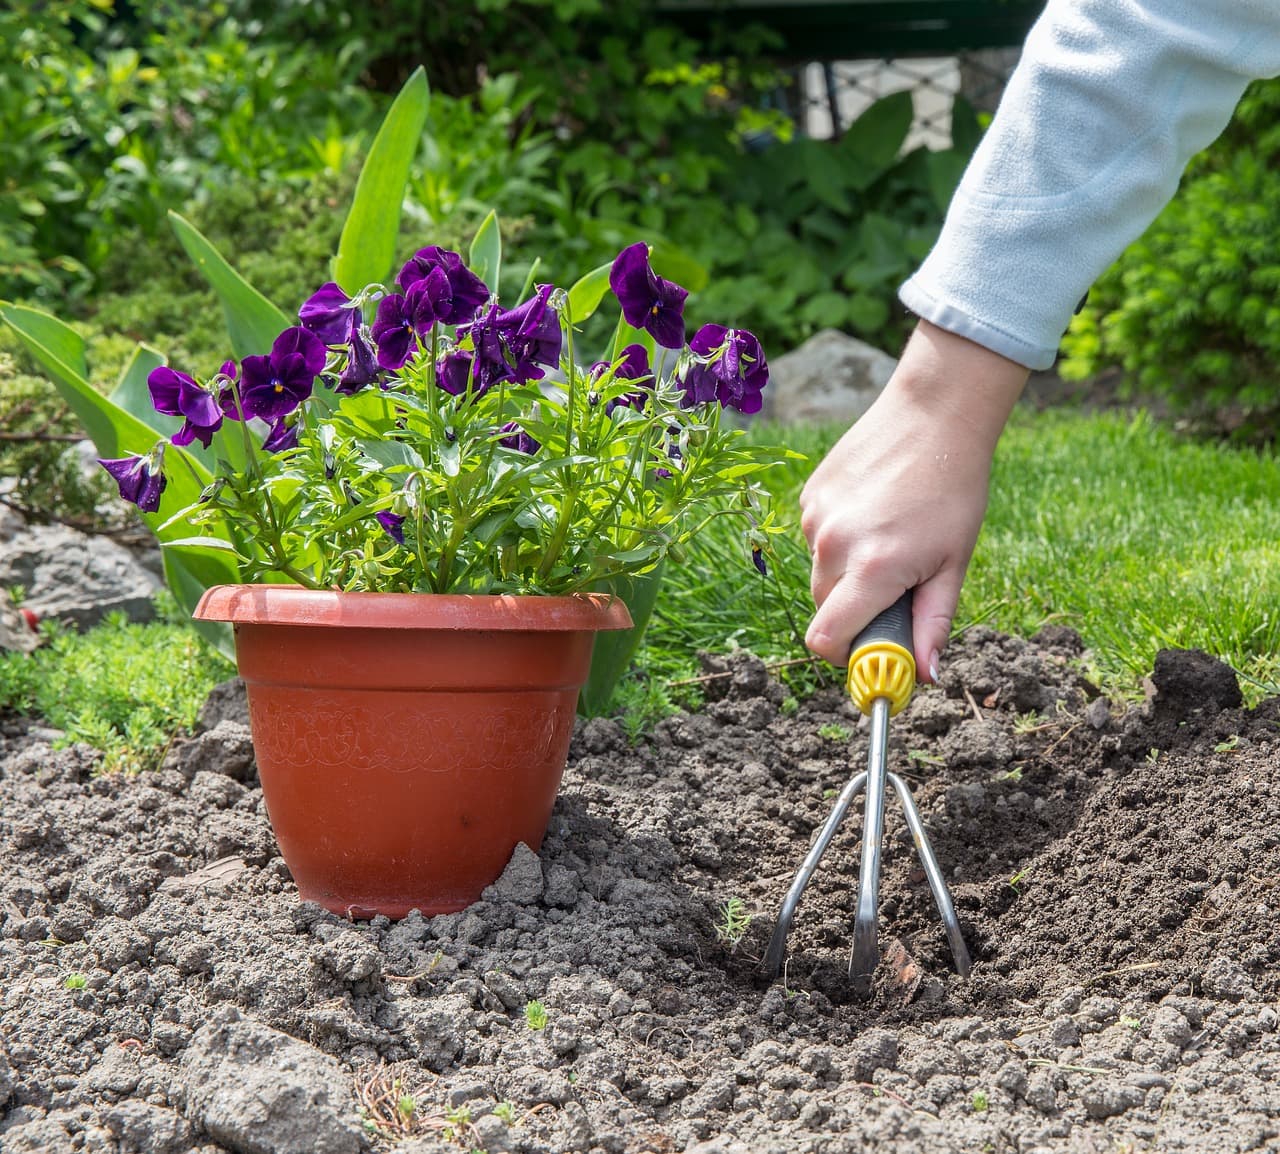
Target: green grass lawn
(1107,523)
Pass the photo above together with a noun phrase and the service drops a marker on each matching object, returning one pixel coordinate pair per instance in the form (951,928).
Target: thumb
(932,611)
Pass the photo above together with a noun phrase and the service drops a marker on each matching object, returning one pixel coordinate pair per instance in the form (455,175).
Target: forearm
(1110,101)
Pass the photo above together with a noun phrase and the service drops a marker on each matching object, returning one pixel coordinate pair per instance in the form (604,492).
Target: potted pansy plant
(424,437)
(421,509)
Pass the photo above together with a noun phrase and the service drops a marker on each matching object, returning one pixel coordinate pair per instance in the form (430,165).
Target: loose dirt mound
(163,990)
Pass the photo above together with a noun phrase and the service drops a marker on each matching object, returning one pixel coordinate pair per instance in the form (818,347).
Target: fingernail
(933,666)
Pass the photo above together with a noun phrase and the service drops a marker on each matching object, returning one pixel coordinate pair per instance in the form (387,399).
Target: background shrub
(1191,311)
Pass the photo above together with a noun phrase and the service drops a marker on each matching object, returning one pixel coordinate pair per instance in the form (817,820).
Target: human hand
(898,502)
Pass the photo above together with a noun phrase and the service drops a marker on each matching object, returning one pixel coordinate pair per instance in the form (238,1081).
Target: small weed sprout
(833,731)
(505,1112)
(733,924)
(535,1015)
(1018,879)
(923,757)
(1013,776)
(1229,746)
(979,1101)
(1026,722)
(75,981)
(1130,1022)
(790,706)
(1153,755)
(406,1107)
(456,1123)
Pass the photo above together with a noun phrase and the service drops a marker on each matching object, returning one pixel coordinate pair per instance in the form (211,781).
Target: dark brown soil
(1115,871)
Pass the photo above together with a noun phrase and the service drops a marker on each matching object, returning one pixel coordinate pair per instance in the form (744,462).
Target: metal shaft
(866,950)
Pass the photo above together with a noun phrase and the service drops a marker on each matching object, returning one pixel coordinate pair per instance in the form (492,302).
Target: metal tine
(776,954)
(864,956)
(941,895)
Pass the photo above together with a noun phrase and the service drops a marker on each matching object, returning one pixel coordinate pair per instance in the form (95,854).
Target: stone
(226,749)
(76,577)
(521,882)
(16,635)
(227,701)
(256,1090)
(1224,979)
(832,377)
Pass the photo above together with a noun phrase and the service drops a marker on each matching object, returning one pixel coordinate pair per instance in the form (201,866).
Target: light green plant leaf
(132,395)
(253,322)
(60,340)
(587,293)
(613,651)
(368,244)
(486,252)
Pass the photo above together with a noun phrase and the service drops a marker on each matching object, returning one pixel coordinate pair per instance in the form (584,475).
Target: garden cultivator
(882,674)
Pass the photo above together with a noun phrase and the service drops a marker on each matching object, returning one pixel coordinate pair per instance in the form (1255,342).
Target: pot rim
(331,608)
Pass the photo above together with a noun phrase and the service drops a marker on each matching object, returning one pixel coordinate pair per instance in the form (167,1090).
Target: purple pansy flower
(634,366)
(731,369)
(140,480)
(281,436)
(328,314)
(648,302)
(393,523)
(362,363)
(453,372)
(514,344)
(519,439)
(275,385)
(178,395)
(402,318)
(464,292)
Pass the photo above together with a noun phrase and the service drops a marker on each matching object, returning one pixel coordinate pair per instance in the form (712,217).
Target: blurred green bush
(1191,311)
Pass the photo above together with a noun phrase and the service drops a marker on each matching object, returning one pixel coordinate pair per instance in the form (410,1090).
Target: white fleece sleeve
(1110,100)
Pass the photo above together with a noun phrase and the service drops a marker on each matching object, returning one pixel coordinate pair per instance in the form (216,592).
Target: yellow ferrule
(882,669)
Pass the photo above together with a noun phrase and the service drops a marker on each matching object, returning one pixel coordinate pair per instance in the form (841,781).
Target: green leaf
(486,252)
(873,141)
(827,178)
(253,322)
(368,245)
(188,574)
(116,432)
(588,292)
(217,544)
(945,170)
(966,129)
(674,264)
(61,341)
(613,651)
(132,395)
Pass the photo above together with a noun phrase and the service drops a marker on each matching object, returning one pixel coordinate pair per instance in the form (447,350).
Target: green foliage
(732,923)
(1190,311)
(37,451)
(75,981)
(535,1015)
(110,116)
(122,688)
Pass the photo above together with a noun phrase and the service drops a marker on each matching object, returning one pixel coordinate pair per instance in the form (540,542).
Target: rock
(1110,1099)
(521,882)
(139,1125)
(981,743)
(491,1133)
(831,377)
(16,634)
(77,578)
(41,1136)
(227,701)
(227,749)
(6,1076)
(1224,979)
(1188,680)
(256,1090)
(873,1050)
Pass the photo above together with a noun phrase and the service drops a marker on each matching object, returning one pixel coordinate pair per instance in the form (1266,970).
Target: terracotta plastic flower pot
(407,742)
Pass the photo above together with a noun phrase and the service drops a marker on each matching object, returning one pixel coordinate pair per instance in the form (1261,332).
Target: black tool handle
(893,625)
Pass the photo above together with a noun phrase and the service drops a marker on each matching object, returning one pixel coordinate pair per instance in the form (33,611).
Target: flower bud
(593,398)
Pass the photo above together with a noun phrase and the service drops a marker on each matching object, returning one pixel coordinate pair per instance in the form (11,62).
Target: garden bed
(163,990)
